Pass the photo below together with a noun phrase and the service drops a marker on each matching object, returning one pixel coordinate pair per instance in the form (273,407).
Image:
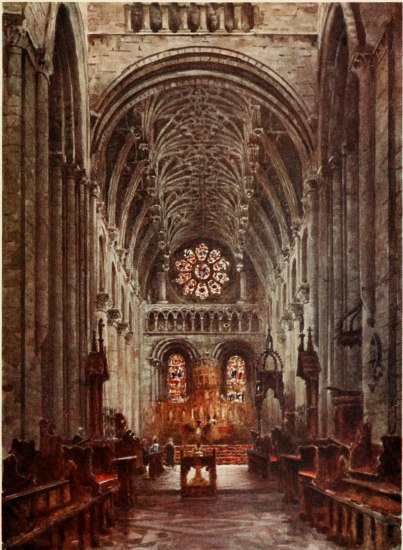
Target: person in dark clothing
(79,438)
(170,453)
(145,452)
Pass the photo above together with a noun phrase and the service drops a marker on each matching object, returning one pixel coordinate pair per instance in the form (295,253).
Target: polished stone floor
(248,514)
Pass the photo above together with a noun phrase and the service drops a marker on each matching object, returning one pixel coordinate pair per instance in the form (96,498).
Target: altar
(206,414)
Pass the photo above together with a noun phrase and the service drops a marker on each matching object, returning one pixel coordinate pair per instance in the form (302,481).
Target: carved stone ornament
(103,300)
(303,293)
(13,31)
(113,315)
(287,322)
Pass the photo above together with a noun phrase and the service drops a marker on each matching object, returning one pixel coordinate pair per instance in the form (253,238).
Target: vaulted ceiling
(201,158)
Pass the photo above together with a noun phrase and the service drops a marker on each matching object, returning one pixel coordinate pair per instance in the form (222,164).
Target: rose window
(202,272)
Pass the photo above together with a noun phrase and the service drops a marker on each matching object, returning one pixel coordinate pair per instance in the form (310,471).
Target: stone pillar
(363,65)
(203,17)
(146,18)
(56,295)
(238,17)
(164,17)
(184,17)
(128,17)
(129,370)
(353,372)
(311,206)
(42,225)
(221,18)
(323,298)
(112,388)
(13,354)
(71,337)
(242,287)
(122,381)
(162,287)
(337,266)
(92,243)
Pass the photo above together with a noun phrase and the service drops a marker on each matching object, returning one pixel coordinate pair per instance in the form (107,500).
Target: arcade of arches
(195,175)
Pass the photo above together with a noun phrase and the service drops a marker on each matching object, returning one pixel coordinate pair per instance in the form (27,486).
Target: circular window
(202,271)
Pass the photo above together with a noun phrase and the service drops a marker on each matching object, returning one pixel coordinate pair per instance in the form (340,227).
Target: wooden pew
(354,507)
(60,513)
(155,464)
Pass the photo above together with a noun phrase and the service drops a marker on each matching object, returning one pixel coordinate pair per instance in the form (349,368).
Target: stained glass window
(202,271)
(176,378)
(236,379)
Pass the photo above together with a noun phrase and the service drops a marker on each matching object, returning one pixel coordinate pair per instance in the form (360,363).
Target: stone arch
(164,348)
(77,54)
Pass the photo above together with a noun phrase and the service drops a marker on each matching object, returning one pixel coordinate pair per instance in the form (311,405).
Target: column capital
(122,326)
(129,336)
(114,316)
(113,234)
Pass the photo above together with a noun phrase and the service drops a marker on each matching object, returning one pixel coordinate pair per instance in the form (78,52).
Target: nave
(248,513)
(201,249)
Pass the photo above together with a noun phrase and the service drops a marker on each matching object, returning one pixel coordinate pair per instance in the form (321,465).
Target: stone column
(122,381)
(323,298)
(71,338)
(164,18)
(13,354)
(311,208)
(337,266)
(112,388)
(242,287)
(353,372)
(56,295)
(42,223)
(129,370)
(238,17)
(221,18)
(203,17)
(92,243)
(184,17)
(162,287)
(128,18)
(146,18)
(363,65)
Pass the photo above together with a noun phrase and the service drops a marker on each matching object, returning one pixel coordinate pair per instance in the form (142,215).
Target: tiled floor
(248,514)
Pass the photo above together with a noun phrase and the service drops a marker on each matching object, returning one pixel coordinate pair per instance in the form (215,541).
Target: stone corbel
(114,316)
(102,301)
(101,208)
(45,65)
(129,337)
(113,235)
(303,293)
(122,327)
(287,322)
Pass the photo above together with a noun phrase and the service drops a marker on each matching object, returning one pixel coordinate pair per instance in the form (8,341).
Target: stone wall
(285,41)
